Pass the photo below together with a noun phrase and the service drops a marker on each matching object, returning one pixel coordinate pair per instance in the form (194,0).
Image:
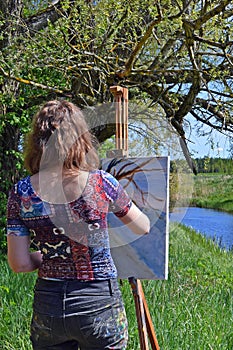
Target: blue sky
(216,145)
(200,147)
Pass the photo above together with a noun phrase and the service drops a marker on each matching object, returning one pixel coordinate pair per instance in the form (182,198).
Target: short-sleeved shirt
(72,237)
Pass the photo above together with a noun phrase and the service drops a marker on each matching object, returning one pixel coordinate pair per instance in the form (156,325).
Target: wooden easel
(145,325)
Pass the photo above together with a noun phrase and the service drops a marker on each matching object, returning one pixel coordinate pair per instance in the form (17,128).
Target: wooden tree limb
(33,23)
(215,112)
(130,61)
(35,84)
(189,99)
(165,49)
(40,20)
(112,30)
(210,14)
(212,43)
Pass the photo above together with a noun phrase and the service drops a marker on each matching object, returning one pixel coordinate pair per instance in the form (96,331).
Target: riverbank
(213,191)
(192,309)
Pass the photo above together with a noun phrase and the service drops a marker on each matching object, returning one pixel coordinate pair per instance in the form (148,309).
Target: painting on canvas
(146,180)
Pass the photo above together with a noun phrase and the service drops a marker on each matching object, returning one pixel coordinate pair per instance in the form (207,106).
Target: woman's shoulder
(106,177)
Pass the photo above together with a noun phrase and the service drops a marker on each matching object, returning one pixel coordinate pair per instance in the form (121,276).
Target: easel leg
(149,324)
(143,317)
(140,314)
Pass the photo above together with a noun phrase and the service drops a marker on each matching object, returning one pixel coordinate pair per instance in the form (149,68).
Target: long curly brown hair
(60,136)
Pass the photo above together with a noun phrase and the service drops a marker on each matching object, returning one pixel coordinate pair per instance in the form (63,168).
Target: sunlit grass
(15,308)
(193,309)
(213,191)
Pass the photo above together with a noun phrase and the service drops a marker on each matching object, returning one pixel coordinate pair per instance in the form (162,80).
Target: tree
(171,54)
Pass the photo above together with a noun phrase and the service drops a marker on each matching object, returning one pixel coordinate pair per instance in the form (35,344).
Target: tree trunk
(9,133)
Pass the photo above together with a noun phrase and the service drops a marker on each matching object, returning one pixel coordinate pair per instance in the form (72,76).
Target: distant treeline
(207,165)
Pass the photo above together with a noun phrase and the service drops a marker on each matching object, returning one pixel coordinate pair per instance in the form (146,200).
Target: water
(211,223)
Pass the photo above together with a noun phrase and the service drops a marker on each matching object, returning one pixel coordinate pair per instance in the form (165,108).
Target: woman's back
(58,185)
(72,236)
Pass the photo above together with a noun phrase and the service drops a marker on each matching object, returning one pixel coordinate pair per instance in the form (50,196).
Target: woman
(62,207)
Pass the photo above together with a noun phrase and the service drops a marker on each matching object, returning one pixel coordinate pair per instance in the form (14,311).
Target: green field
(193,309)
(213,191)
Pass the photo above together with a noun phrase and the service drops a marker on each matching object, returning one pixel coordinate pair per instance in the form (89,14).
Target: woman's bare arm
(136,220)
(20,258)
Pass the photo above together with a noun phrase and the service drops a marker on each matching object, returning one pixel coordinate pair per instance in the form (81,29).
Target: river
(211,223)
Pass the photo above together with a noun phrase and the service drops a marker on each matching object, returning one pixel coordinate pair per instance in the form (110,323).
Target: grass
(15,308)
(213,191)
(193,309)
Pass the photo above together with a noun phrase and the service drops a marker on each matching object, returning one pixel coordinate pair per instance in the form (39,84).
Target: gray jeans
(72,315)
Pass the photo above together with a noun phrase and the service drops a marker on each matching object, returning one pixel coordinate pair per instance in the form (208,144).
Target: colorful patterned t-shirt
(72,237)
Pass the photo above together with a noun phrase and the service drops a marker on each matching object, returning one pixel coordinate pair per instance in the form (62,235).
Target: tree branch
(35,84)
(212,43)
(40,21)
(165,49)
(35,23)
(219,115)
(208,15)
(206,121)
(130,61)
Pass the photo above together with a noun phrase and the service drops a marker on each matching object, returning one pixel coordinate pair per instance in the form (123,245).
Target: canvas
(146,180)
